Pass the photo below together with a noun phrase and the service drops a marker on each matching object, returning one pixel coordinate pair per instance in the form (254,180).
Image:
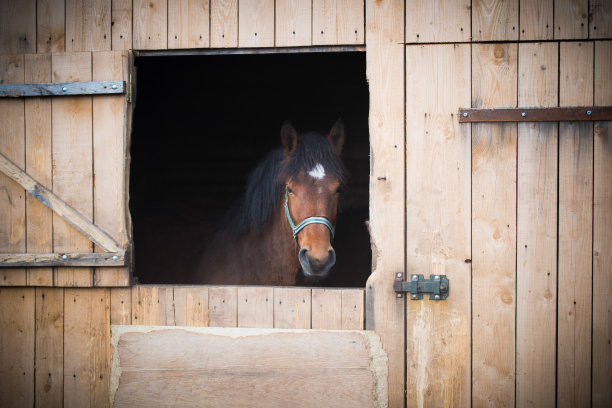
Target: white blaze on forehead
(317,172)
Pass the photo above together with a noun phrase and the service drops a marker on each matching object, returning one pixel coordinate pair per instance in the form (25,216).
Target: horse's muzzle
(316,268)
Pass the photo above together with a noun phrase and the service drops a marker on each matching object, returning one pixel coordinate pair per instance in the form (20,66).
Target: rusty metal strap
(62,89)
(575,113)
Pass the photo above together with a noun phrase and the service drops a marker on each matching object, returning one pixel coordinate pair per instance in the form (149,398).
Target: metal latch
(436,286)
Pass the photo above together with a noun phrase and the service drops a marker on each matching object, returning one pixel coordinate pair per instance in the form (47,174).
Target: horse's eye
(289,190)
(339,190)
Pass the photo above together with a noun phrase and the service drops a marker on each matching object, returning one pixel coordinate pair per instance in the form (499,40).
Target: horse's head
(312,172)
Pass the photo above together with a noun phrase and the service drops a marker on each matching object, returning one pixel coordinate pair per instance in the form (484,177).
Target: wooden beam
(62,89)
(76,219)
(59,259)
(575,113)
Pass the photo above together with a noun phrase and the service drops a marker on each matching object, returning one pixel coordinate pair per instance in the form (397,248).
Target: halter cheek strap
(310,220)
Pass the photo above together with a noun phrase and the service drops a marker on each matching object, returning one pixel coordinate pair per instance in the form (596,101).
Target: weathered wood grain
(326,309)
(571,19)
(223,23)
(285,368)
(352,309)
(536,19)
(223,306)
(495,20)
(32,259)
(86,347)
(256,307)
(17,347)
(575,113)
(188,23)
(61,208)
(121,306)
(149,305)
(196,306)
(121,24)
(494,80)
(292,308)
(438,153)
(39,230)
(109,162)
(256,23)
(150,28)
(17,26)
(62,89)
(600,21)
(602,233)
(12,196)
(88,25)
(574,314)
(49,381)
(50,26)
(385,74)
(536,295)
(293,23)
(437,21)
(337,22)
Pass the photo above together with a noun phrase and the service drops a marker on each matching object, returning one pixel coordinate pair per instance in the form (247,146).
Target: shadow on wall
(202,123)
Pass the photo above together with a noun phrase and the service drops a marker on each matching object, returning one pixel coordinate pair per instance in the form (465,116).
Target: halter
(310,220)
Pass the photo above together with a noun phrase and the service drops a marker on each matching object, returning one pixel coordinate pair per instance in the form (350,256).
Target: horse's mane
(265,187)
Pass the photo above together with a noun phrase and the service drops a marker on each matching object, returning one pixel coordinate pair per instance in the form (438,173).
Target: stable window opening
(202,123)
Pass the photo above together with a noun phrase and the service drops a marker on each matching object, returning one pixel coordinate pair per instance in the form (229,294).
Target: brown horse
(280,232)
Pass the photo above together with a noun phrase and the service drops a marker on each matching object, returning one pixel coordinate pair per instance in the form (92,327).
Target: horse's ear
(336,135)
(289,137)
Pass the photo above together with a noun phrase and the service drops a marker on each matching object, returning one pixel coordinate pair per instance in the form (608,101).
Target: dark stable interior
(202,123)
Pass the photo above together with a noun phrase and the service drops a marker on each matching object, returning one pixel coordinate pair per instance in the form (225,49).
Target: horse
(280,232)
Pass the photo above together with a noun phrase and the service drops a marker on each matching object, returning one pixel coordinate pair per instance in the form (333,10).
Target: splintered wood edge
(377,361)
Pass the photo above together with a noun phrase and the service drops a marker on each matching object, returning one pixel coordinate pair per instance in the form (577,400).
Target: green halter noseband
(310,220)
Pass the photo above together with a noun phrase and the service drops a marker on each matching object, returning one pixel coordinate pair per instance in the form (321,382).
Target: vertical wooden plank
(495,20)
(188,23)
(12,198)
(17,347)
(352,309)
(170,311)
(149,305)
(602,233)
(337,22)
(223,23)
(575,230)
(150,24)
(292,307)
(536,19)
(223,306)
(600,19)
(72,162)
(196,306)
(571,19)
(86,347)
(438,222)
(437,21)
(109,147)
(255,307)
(326,309)
(39,229)
(88,25)
(256,23)
(293,23)
(121,306)
(50,26)
(536,230)
(385,74)
(17,26)
(180,306)
(494,76)
(121,24)
(49,382)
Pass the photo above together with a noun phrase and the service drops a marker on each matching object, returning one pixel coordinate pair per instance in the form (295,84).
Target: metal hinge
(436,286)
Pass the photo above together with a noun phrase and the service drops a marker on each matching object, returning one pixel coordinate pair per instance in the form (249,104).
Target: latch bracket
(437,286)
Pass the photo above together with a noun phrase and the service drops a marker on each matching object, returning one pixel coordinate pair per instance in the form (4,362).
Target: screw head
(64,89)
(465,115)
(415,278)
(399,295)
(523,114)
(414,296)
(437,297)
(64,257)
(115,257)
(436,277)
(589,112)
(399,274)
(114,86)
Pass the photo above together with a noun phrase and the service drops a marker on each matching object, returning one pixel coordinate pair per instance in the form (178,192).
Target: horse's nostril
(303,256)
(331,258)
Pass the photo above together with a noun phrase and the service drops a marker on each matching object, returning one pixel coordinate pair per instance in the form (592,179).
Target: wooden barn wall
(519,216)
